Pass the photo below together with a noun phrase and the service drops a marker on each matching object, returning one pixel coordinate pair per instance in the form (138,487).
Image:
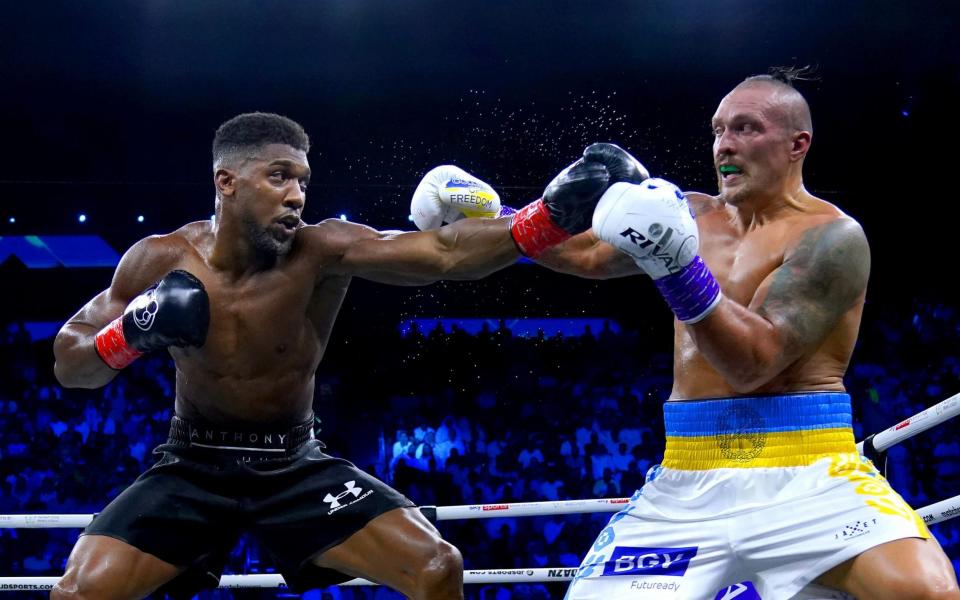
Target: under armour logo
(334,501)
(144,313)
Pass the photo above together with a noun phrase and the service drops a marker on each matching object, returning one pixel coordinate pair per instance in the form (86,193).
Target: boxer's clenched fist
(173,312)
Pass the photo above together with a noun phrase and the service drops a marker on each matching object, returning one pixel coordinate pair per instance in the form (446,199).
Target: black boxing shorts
(212,484)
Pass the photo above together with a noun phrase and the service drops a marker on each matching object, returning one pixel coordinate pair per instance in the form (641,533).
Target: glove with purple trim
(652,223)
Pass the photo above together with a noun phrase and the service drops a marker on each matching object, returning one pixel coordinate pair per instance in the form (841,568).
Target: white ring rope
(932,513)
(44,521)
(918,423)
(443,513)
(907,428)
(541,575)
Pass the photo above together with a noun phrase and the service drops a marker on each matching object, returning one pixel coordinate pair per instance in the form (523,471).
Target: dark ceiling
(109,107)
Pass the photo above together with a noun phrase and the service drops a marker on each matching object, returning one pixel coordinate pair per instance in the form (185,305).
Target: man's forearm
(77,363)
(741,345)
(585,256)
(476,248)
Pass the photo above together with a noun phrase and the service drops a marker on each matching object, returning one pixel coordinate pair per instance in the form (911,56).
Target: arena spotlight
(82,218)
(139,218)
(343,217)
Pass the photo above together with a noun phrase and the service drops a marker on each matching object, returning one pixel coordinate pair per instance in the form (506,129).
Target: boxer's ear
(225,181)
(800,145)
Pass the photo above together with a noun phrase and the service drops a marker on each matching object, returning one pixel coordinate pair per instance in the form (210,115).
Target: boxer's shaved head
(792,110)
(243,136)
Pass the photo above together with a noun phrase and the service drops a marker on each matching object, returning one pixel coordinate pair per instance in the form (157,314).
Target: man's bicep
(823,278)
(141,266)
(399,258)
(350,249)
(96,313)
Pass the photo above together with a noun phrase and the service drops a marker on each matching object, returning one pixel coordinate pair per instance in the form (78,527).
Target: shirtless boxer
(245,304)
(761,479)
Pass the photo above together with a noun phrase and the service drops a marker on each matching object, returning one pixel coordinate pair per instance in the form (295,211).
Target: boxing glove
(652,223)
(569,200)
(621,165)
(175,311)
(447,194)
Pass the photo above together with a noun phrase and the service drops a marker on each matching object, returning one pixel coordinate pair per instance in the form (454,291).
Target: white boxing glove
(652,222)
(447,194)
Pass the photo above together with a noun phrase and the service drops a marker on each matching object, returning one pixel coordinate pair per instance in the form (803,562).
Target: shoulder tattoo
(821,280)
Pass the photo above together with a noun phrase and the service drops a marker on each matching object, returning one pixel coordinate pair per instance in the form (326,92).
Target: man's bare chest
(256,319)
(742,263)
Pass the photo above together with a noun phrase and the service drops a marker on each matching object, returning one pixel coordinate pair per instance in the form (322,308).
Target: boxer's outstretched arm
(585,255)
(77,362)
(467,249)
(793,310)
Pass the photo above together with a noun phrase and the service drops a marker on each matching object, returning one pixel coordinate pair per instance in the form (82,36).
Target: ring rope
(932,513)
(907,428)
(433,513)
(918,423)
(539,575)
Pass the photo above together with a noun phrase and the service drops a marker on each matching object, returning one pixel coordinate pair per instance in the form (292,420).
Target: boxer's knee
(927,593)
(938,589)
(103,568)
(441,575)
(930,587)
(76,585)
(81,584)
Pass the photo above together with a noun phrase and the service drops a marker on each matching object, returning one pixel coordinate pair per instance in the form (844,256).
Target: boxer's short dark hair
(244,134)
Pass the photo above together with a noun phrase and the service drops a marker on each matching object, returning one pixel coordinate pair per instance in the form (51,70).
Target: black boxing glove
(175,311)
(622,166)
(565,209)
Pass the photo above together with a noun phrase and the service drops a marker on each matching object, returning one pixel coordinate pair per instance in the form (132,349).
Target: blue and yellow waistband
(794,430)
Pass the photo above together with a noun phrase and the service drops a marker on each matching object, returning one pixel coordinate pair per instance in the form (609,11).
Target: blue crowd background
(450,417)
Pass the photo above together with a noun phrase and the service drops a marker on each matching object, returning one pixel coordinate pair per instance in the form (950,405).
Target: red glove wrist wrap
(534,231)
(112,346)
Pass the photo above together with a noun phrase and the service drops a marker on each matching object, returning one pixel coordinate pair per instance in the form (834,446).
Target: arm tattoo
(823,279)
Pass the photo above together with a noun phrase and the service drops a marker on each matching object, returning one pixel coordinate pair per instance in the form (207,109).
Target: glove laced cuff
(691,293)
(112,346)
(534,231)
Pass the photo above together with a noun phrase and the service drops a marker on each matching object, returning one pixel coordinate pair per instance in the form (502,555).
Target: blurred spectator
(558,418)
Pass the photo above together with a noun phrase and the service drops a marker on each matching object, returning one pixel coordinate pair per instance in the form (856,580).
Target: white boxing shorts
(768,490)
